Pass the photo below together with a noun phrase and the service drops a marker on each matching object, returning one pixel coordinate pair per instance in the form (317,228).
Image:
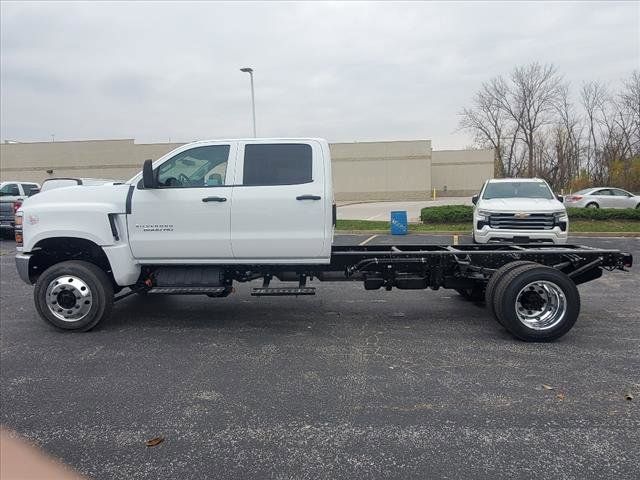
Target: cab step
(189,290)
(281,292)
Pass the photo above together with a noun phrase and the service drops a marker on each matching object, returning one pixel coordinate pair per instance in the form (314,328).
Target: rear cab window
(277,164)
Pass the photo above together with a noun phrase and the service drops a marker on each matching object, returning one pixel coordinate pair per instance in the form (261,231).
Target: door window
(195,168)
(277,164)
(603,192)
(10,189)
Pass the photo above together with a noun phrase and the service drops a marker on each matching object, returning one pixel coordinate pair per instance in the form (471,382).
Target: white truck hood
(513,205)
(80,197)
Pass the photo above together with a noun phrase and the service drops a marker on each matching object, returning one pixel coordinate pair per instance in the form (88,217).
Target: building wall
(381,170)
(460,172)
(116,159)
(367,171)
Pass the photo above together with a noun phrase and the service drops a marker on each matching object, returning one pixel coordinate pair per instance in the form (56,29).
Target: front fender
(97,229)
(77,212)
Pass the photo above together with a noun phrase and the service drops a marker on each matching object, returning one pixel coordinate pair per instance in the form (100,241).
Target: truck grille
(514,221)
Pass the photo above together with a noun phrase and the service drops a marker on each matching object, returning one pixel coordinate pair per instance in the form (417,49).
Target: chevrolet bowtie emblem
(521,215)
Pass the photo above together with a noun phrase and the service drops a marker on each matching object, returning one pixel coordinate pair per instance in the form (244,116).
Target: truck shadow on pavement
(322,315)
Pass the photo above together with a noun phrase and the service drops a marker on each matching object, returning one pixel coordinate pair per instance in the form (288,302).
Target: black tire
(512,289)
(98,283)
(475,294)
(638,206)
(495,279)
(592,205)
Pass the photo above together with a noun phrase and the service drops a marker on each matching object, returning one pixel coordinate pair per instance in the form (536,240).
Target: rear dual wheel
(535,303)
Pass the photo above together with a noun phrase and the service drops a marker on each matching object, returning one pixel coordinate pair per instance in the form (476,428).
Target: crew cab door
(279,206)
(188,215)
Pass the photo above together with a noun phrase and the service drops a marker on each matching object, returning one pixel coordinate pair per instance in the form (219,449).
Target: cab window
(277,164)
(195,168)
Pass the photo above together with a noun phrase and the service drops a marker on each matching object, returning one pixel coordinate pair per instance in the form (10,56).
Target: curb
(575,234)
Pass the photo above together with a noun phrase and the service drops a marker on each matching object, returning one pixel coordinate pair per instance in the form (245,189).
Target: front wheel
(537,303)
(593,205)
(73,295)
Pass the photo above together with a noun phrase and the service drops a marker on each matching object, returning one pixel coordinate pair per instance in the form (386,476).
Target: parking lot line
(368,240)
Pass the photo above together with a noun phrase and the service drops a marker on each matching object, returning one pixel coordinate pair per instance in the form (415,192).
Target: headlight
(482,214)
(561,216)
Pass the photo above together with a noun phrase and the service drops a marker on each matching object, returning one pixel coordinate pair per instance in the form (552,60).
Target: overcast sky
(343,71)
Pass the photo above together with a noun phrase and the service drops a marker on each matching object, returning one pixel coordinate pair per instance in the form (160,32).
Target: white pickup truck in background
(12,194)
(212,213)
(519,210)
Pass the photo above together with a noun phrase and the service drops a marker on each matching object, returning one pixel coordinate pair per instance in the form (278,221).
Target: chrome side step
(188,290)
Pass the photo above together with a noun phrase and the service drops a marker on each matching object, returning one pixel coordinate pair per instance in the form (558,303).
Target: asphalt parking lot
(346,384)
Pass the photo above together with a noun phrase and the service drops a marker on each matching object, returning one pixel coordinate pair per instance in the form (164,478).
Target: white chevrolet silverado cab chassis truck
(212,213)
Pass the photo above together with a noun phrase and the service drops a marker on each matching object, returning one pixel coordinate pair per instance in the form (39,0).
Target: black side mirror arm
(474,199)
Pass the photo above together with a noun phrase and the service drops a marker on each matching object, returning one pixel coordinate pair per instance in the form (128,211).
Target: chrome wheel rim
(541,305)
(69,298)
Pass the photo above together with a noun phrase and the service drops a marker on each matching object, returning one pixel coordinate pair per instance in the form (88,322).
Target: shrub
(464,214)
(447,214)
(603,213)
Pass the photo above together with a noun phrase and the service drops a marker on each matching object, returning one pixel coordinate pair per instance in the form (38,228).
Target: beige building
(402,170)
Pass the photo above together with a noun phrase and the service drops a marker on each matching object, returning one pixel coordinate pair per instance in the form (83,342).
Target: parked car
(12,194)
(519,210)
(602,197)
(12,190)
(51,183)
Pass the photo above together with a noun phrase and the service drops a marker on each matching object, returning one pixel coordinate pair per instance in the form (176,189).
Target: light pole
(253,98)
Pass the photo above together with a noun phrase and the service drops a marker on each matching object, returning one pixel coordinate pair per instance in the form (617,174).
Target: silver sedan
(601,197)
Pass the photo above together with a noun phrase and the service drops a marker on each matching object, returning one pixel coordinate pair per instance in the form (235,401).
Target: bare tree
(530,121)
(567,139)
(491,124)
(593,97)
(629,105)
(536,90)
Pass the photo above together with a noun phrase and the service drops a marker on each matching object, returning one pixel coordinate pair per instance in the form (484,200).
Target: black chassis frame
(437,266)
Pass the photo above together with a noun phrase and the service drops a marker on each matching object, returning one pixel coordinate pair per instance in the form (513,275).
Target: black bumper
(22,265)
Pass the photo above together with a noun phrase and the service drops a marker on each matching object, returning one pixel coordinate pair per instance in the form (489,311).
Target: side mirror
(148,178)
(560,198)
(474,199)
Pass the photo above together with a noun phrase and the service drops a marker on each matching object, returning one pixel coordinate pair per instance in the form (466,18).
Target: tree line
(537,128)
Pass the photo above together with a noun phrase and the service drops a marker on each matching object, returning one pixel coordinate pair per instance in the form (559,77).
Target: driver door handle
(214,199)
(308,197)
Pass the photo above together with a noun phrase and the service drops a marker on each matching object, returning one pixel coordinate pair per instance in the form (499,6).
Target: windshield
(9,189)
(517,190)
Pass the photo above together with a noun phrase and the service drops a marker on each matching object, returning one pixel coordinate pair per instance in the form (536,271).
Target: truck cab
(246,201)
